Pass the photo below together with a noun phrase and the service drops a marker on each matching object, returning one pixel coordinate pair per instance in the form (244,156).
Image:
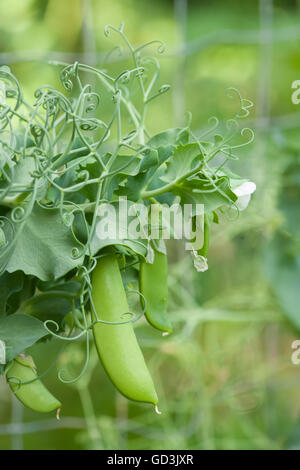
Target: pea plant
(63,159)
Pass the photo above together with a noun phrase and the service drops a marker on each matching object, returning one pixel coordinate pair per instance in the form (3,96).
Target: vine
(59,162)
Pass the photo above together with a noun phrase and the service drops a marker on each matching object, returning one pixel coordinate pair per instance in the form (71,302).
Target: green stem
(168,187)
(90,417)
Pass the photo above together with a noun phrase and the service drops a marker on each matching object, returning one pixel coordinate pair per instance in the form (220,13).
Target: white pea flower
(200,262)
(243,192)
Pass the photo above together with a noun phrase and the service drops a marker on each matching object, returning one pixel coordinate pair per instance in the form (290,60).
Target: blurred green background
(225,377)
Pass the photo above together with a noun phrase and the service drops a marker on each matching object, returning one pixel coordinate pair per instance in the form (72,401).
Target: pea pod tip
(58,413)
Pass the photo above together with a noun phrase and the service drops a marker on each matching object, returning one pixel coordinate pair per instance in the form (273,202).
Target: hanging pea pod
(200,255)
(206,237)
(34,395)
(116,344)
(154,288)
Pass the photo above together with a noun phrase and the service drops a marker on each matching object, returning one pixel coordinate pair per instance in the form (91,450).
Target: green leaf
(235,180)
(79,149)
(164,153)
(170,137)
(72,288)
(149,160)
(124,166)
(68,179)
(9,284)
(27,291)
(23,170)
(20,331)
(184,160)
(156,183)
(116,225)
(52,305)
(23,139)
(197,191)
(22,175)
(130,275)
(134,186)
(44,246)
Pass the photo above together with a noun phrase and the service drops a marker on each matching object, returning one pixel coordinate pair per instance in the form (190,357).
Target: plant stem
(90,417)
(168,187)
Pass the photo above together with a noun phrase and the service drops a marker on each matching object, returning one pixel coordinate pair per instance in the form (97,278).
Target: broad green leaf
(150,168)
(71,288)
(52,305)
(124,166)
(111,224)
(18,297)
(149,160)
(130,275)
(156,182)
(22,175)
(164,153)
(197,191)
(78,149)
(66,180)
(134,186)
(20,331)
(9,283)
(23,170)
(185,158)
(235,180)
(44,247)
(23,140)
(170,137)
(6,250)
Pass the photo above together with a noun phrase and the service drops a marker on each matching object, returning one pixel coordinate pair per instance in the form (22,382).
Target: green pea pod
(117,345)
(34,395)
(154,287)
(206,237)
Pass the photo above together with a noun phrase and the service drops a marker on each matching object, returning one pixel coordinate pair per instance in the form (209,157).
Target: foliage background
(225,377)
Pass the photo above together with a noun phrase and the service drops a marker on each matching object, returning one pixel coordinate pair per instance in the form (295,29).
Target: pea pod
(154,287)
(117,345)
(34,395)
(206,237)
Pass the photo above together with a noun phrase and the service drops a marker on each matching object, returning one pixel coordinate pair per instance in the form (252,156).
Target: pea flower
(200,262)
(243,192)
